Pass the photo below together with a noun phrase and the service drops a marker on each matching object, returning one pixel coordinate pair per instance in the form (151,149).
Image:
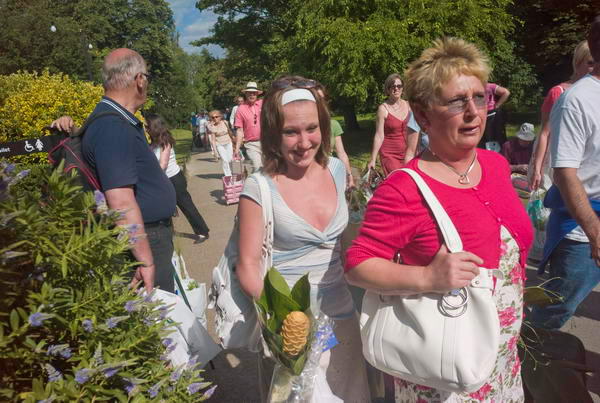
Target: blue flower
(88,325)
(131,389)
(59,349)
(114,321)
(131,306)
(9,168)
(83,375)
(53,374)
(167,342)
(153,391)
(175,375)
(66,353)
(194,387)
(209,392)
(37,319)
(101,206)
(110,371)
(192,362)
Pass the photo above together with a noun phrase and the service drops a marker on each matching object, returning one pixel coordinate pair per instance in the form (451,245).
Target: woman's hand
(535,180)
(371,164)
(449,271)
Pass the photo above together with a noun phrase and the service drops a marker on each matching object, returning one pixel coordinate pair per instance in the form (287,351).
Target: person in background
(193,123)
(337,145)
(162,144)
(540,172)
(202,120)
(220,139)
(518,150)
(238,101)
(573,231)
(495,131)
(310,214)
(392,141)
(446,91)
(247,125)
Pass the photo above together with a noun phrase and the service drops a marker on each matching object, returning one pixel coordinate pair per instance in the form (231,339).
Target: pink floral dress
(504,385)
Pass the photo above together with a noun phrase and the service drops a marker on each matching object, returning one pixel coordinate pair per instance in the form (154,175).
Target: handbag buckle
(454,303)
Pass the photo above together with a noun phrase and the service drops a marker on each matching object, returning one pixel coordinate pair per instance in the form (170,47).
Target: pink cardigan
(398,220)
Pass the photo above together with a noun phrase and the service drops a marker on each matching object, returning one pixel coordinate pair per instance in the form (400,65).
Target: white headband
(297,94)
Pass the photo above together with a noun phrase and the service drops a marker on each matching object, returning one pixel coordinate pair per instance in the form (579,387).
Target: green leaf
(277,281)
(14,320)
(301,293)
(281,305)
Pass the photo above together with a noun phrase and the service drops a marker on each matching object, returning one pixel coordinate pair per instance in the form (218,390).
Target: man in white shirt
(573,244)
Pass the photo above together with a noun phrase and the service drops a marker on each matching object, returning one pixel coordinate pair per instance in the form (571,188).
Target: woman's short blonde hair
(581,54)
(272,121)
(437,65)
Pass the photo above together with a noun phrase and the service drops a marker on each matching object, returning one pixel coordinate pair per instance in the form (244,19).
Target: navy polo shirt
(116,147)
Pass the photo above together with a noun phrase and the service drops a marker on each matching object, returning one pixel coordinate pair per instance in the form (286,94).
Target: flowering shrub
(31,101)
(70,328)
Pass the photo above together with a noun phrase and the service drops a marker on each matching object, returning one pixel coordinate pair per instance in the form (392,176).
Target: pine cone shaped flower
(295,332)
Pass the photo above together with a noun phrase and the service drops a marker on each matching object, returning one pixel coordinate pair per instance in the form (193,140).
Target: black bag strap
(92,118)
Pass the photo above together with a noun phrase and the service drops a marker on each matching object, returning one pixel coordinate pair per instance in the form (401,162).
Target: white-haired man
(247,125)
(129,174)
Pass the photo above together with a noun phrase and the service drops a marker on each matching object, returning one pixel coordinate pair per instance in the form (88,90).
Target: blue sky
(193,24)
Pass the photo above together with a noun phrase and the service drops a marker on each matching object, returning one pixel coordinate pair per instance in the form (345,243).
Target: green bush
(70,327)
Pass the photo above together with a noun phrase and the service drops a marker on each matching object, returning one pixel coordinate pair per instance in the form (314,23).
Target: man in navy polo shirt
(129,173)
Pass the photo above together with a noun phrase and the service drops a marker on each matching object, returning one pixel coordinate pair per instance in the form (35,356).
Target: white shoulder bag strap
(267,212)
(449,232)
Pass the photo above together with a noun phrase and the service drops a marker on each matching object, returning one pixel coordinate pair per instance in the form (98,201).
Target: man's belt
(153,224)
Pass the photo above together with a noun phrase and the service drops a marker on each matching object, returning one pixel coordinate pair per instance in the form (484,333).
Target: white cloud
(193,25)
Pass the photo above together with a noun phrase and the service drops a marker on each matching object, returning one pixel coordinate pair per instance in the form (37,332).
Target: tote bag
(236,323)
(447,342)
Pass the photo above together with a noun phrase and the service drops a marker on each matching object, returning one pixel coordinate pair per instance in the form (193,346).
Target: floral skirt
(504,384)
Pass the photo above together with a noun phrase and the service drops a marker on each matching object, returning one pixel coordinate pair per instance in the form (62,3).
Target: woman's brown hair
(272,121)
(158,131)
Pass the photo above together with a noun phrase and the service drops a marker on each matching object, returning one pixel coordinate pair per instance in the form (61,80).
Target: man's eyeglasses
(396,86)
(147,75)
(459,105)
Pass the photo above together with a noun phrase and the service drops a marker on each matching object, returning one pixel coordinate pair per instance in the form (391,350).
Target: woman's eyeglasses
(214,117)
(459,105)
(291,82)
(396,86)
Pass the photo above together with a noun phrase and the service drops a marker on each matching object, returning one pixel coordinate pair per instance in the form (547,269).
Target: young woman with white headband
(310,213)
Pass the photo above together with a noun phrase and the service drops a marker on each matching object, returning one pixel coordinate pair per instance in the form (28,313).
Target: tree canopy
(352,45)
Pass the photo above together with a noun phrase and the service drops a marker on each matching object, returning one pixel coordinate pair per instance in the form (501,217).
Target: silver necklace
(463,178)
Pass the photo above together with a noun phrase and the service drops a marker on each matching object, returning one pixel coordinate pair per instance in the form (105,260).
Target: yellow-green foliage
(31,101)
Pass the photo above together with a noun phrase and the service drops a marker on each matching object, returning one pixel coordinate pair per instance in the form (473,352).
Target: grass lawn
(183,146)
(357,143)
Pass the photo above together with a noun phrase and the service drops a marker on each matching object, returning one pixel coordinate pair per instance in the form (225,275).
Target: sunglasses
(215,116)
(255,119)
(396,86)
(287,82)
(460,105)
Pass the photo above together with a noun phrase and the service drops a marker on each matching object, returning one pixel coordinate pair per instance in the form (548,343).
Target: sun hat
(252,87)
(526,132)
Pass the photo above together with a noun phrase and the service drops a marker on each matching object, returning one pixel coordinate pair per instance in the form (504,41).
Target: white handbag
(236,323)
(448,342)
